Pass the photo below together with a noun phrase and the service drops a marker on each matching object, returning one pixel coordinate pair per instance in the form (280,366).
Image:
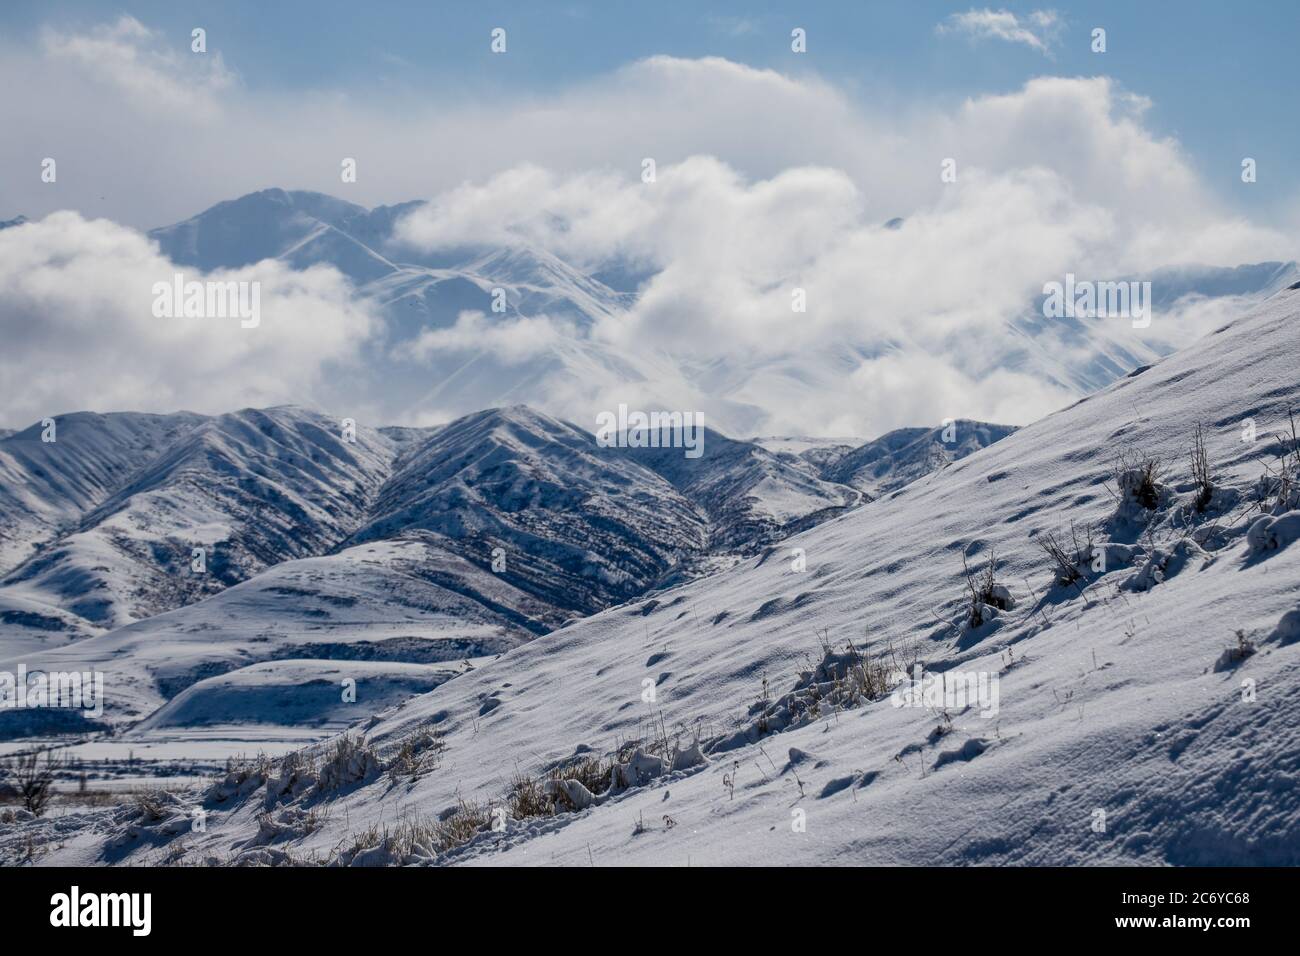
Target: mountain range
(318,540)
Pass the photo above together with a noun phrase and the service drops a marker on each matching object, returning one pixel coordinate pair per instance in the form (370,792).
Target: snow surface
(1128,701)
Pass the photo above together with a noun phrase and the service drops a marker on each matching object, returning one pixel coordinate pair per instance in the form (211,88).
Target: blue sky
(1221,77)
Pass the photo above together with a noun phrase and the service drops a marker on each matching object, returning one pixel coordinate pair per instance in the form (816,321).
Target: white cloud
(76,314)
(1038,30)
(767,182)
(135,61)
(911,321)
(513,341)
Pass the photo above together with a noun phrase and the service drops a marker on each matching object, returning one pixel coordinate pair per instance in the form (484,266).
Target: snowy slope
(576,525)
(1117,694)
(251,488)
(46,486)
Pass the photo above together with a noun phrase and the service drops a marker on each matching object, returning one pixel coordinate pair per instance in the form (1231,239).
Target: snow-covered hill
(1148,710)
(408,600)
(574,524)
(392,544)
(249,489)
(906,454)
(751,494)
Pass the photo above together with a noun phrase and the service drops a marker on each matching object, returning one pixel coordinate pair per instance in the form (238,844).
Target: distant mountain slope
(261,225)
(1085,354)
(46,486)
(577,526)
(752,495)
(251,489)
(906,454)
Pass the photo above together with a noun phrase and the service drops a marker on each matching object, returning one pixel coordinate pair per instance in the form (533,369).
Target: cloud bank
(76,314)
(769,183)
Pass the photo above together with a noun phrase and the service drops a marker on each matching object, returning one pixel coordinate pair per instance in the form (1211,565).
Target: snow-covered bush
(1071,559)
(986,597)
(1166,562)
(411,843)
(1269,533)
(1200,464)
(529,798)
(351,760)
(1234,655)
(151,804)
(241,778)
(639,769)
(1138,490)
(154,815)
(417,754)
(838,681)
(291,822)
(297,774)
(460,825)
(691,757)
(1278,489)
(569,794)
(590,770)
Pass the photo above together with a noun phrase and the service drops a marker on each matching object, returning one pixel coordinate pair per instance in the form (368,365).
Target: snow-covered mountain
(390,544)
(902,456)
(1083,354)
(137,496)
(1156,689)
(418,294)
(576,525)
(50,478)
(751,494)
